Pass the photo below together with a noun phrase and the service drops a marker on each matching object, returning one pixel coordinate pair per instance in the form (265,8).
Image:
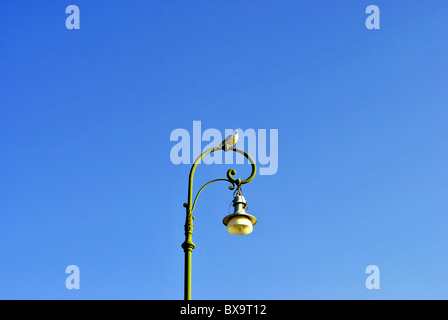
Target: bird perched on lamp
(230,141)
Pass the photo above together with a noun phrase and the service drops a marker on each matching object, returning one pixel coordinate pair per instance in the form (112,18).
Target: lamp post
(237,223)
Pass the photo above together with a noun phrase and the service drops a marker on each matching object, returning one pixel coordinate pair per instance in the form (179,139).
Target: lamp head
(239,222)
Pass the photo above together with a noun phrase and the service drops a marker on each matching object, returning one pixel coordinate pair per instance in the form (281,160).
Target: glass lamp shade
(240,224)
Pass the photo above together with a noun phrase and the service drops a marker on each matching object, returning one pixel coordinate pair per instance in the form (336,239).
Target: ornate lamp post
(239,222)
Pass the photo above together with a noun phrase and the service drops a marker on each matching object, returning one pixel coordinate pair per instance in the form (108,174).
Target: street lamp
(238,223)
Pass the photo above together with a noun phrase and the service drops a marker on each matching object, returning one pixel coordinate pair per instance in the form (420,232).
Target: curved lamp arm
(232,187)
(230,173)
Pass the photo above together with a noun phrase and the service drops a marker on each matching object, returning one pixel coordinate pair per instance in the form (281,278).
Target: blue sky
(86,177)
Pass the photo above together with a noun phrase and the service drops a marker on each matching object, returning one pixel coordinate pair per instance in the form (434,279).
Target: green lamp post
(239,223)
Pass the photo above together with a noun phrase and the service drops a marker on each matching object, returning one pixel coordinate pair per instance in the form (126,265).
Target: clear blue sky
(85,123)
